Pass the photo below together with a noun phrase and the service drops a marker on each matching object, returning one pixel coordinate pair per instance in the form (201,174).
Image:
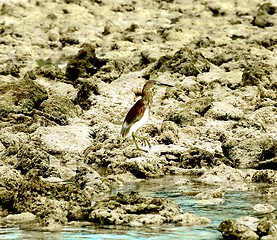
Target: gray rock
(19,96)
(135,210)
(60,108)
(20,218)
(267,227)
(232,229)
(250,151)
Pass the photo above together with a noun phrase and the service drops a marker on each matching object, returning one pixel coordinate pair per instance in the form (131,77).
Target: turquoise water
(236,204)
(118,234)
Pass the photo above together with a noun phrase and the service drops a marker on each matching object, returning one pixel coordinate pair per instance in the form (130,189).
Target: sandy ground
(70,71)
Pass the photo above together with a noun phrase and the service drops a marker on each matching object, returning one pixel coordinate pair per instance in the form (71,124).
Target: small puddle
(180,190)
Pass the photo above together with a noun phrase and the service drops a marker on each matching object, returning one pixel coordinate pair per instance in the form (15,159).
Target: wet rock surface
(253,229)
(69,74)
(135,210)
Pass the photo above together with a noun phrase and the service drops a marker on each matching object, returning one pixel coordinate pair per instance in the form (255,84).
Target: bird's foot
(144,142)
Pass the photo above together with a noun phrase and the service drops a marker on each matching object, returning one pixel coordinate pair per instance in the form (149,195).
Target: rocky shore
(71,69)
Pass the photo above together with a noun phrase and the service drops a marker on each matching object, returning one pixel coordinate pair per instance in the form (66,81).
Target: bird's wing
(134,115)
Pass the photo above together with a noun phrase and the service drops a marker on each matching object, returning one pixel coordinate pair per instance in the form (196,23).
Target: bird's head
(152,83)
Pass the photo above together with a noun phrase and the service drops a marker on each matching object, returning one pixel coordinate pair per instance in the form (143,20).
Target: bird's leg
(136,143)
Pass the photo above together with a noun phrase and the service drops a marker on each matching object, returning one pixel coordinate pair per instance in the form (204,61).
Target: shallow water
(178,189)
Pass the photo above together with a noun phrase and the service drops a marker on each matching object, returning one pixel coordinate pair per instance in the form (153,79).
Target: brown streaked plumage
(139,113)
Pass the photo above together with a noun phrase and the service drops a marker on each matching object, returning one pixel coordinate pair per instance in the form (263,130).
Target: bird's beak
(164,84)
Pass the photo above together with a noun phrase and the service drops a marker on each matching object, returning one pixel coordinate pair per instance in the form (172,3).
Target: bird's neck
(147,98)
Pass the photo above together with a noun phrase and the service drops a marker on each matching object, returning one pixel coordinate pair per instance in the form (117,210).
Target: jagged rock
(52,202)
(267,164)
(9,181)
(20,218)
(226,175)
(232,229)
(184,61)
(84,64)
(264,176)
(249,228)
(223,111)
(135,210)
(141,167)
(197,158)
(217,193)
(262,17)
(59,107)
(31,157)
(50,71)
(263,208)
(266,228)
(248,152)
(19,96)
